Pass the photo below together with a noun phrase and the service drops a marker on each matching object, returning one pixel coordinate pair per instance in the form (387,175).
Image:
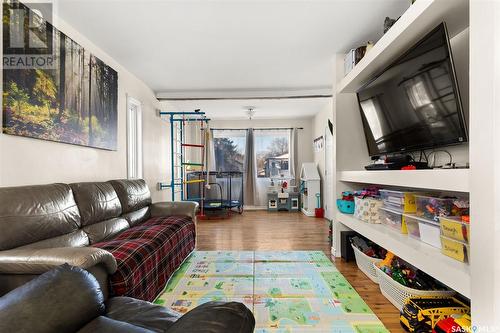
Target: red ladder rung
(192,145)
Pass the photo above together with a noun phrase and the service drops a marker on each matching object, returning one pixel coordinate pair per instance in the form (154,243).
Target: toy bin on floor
(367,209)
(365,264)
(397,294)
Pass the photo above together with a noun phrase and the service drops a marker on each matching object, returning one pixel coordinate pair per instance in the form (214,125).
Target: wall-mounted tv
(414,104)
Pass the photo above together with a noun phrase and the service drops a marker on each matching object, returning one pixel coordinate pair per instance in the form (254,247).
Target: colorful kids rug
(294,291)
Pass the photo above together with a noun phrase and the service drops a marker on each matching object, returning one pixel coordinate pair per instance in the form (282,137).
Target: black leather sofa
(68,299)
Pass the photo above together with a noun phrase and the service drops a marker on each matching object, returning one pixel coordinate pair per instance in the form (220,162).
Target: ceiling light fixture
(250,112)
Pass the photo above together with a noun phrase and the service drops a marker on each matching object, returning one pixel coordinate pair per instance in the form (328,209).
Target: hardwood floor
(260,230)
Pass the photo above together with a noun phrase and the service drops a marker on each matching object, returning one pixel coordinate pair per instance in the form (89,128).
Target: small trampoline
(224,195)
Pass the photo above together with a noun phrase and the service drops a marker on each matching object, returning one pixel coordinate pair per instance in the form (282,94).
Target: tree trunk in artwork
(90,102)
(62,75)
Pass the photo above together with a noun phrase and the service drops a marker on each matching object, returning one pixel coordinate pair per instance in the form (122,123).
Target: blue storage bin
(346,207)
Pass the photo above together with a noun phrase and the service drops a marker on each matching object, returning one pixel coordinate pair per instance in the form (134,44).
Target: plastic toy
(421,314)
(454,324)
(387,262)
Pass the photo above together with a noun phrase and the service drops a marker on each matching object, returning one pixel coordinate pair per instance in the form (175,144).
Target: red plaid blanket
(148,254)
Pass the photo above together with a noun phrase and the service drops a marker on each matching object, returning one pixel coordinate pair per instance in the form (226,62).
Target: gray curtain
(250,173)
(293,154)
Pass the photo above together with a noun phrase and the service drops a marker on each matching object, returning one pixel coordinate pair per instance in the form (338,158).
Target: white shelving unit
(455,180)
(453,273)
(352,155)
(412,25)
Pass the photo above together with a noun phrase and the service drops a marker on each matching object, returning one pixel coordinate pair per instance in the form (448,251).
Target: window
(272,152)
(229,149)
(134,138)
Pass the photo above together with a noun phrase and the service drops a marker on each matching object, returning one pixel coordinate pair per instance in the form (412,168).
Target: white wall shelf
(422,16)
(455,180)
(452,273)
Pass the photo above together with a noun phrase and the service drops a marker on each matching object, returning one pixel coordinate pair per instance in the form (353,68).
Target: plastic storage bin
(397,294)
(432,208)
(428,231)
(367,209)
(453,227)
(455,249)
(412,226)
(393,219)
(365,264)
(398,200)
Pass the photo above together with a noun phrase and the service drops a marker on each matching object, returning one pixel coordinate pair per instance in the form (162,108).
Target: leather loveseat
(68,299)
(112,229)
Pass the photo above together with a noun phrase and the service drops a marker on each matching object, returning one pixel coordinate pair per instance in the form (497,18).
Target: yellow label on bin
(454,230)
(453,249)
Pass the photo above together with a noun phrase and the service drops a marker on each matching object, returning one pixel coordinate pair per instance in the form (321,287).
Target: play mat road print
(288,292)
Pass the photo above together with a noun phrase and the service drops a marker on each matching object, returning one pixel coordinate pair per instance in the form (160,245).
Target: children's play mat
(295,291)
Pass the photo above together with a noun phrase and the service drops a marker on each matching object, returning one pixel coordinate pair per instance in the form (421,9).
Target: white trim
(134,139)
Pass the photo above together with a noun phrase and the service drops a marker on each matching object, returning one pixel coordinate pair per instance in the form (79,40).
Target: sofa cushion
(148,254)
(96,201)
(105,230)
(133,194)
(138,216)
(33,213)
(74,239)
(61,300)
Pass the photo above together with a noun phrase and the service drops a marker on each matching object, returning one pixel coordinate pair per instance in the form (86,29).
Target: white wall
(319,124)
(25,161)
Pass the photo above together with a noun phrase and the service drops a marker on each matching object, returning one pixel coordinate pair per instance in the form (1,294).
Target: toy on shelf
(346,203)
(432,208)
(422,314)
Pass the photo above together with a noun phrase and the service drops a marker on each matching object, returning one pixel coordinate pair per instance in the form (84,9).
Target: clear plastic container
(392,218)
(398,200)
(412,226)
(454,227)
(428,231)
(455,249)
(431,208)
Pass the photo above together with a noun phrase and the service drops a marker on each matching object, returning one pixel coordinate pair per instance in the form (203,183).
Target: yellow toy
(421,314)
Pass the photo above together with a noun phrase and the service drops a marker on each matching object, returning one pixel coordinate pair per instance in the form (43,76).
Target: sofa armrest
(182,208)
(38,261)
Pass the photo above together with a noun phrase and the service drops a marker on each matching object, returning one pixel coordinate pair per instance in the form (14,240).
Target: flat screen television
(414,104)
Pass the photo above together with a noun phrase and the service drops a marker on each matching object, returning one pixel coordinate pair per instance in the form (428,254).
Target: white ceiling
(214,45)
(264,109)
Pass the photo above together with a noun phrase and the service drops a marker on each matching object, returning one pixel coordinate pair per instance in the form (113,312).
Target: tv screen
(414,104)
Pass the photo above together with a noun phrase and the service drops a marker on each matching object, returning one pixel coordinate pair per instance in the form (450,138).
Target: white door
(329,176)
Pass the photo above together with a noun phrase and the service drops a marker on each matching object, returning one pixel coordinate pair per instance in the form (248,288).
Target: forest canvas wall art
(72,101)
